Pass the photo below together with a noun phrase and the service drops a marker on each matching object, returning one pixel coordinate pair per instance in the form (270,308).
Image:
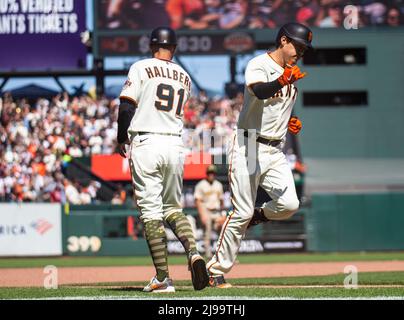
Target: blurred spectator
(116,199)
(234,14)
(213,12)
(113,9)
(308,12)
(155,9)
(122,193)
(186,14)
(393,18)
(57,195)
(95,143)
(334,17)
(93,188)
(375,13)
(258,13)
(119,196)
(85,197)
(282,11)
(72,194)
(75,151)
(122,14)
(305,16)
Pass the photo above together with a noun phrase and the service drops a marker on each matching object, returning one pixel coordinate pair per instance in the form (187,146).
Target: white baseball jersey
(160,88)
(270,116)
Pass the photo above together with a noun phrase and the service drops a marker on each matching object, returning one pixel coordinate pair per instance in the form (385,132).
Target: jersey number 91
(166,95)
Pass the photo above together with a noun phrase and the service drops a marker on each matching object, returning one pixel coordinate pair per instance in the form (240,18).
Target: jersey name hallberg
(154,72)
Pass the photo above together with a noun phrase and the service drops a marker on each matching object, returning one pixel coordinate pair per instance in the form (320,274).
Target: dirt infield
(34,277)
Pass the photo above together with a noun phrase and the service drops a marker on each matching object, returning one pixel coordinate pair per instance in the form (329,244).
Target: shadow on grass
(151,294)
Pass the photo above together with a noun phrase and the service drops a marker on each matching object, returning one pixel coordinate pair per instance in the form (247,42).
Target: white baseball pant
(157,167)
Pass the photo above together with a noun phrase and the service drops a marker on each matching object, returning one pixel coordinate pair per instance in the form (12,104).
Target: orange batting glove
(294,125)
(290,75)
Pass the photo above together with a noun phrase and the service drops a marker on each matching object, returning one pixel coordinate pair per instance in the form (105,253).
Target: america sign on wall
(30,229)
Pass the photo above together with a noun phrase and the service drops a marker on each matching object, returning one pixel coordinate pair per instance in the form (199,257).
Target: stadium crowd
(39,138)
(37,141)
(253,14)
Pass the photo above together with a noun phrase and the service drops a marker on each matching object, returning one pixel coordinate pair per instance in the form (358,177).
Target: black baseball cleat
(199,274)
(258,217)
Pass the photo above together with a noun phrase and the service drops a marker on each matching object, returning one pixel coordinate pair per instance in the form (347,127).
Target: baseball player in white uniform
(150,120)
(255,154)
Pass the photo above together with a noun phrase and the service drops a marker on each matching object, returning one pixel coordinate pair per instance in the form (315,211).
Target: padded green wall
(356,132)
(95,220)
(355,222)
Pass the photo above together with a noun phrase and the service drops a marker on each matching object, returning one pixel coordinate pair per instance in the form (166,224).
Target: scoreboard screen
(192,44)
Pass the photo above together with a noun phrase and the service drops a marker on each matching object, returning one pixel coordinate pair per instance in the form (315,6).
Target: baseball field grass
(371,285)
(381,285)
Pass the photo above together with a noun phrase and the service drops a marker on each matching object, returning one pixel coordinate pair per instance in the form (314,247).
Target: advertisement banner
(115,168)
(30,229)
(42,34)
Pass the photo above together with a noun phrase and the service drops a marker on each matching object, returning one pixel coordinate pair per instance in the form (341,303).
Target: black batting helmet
(163,35)
(297,32)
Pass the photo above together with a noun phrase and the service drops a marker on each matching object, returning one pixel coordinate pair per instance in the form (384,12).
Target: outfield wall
(333,222)
(355,222)
(107,230)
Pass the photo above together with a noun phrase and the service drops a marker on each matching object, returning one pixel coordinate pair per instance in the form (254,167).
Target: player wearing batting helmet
(296,32)
(256,156)
(157,88)
(163,36)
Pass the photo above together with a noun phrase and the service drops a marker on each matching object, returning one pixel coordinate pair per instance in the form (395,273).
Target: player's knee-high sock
(182,229)
(157,241)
